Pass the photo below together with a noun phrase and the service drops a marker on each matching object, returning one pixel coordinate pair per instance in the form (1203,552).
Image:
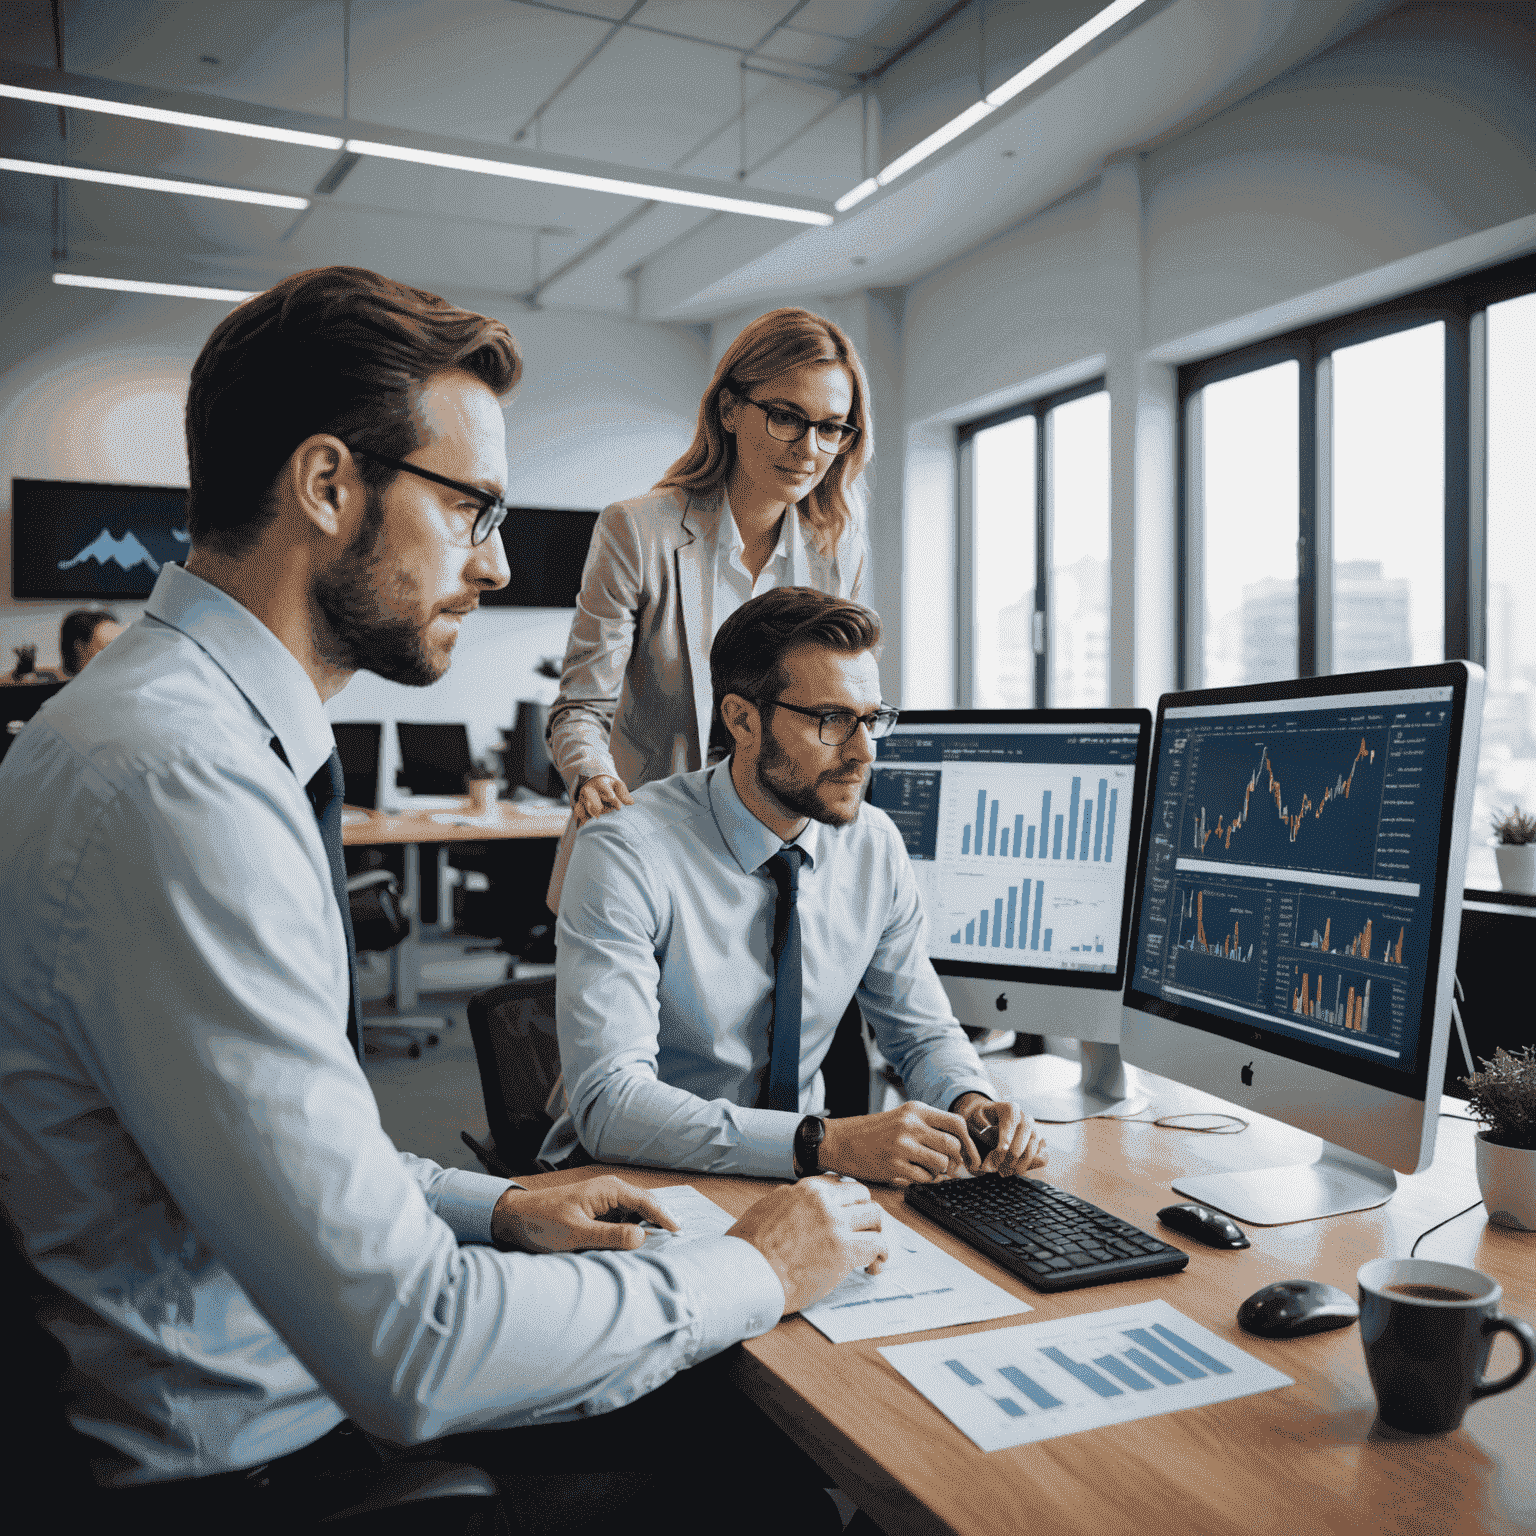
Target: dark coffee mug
(1427,1329)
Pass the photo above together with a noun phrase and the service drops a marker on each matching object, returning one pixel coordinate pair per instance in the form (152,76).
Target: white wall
(92,387)
(1403,155)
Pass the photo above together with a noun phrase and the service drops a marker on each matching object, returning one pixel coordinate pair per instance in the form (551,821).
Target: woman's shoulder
(666,511)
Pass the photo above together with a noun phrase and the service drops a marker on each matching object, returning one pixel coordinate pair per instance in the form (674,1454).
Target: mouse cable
(1422,1235)
(1234,1126)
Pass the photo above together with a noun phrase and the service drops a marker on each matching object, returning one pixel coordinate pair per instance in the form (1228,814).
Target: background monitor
(357,745)
(546,551)
(73,539)
(434,758)
(1022,828)
(1296,917)
(18,703)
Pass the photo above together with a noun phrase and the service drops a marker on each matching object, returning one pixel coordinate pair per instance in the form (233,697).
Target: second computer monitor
(1022,829)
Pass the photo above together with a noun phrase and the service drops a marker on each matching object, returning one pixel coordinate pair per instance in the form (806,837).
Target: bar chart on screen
(1014,1386)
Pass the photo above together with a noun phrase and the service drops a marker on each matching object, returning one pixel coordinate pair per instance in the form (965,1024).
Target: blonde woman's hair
(772,345)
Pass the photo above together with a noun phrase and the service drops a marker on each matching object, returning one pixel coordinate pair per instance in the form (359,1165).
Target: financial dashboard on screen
(1292,861)
(1021,835)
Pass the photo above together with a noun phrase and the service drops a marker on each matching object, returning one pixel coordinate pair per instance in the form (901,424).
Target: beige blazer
(635,698)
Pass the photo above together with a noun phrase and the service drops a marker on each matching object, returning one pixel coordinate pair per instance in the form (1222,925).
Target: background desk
(410,831)
(1305,1459)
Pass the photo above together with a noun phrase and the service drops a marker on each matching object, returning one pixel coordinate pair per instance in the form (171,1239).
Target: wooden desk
(1304,1459)
(373,828)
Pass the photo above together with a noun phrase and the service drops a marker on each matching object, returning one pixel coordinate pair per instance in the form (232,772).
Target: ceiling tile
(796,47)
(780,111)
(603,10)
(737,22)
(477,68)
(172,226)
(844,18)
(822,162)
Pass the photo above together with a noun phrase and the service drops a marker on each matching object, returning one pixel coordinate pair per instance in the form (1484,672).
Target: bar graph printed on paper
(1012,1386)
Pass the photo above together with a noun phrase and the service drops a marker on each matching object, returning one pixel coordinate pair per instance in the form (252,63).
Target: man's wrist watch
(809,1135)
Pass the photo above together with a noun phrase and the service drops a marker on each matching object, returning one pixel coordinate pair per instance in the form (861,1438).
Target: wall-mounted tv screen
(73,539)
(546,550)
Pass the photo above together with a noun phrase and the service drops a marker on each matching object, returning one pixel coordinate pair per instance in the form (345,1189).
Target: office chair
(56,1456)
(379,926)
(516,1049)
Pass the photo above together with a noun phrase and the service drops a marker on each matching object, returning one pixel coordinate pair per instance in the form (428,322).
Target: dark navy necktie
(784,1060)
(325,793)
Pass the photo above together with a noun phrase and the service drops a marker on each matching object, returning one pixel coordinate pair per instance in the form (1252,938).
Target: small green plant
(1514,827)
(1503,1098)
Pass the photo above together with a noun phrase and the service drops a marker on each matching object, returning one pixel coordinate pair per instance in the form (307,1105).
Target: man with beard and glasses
(265,1311)
(712,934)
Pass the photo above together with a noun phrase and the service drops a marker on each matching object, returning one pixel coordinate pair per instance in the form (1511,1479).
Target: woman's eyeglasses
(787,426)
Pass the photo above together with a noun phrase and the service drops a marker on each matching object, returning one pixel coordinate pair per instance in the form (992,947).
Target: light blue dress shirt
(189,1148)
(665,976)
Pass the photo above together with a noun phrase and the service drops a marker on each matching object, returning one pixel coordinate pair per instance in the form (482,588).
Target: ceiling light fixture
(166,290)
(586,183)
(155,184)
(171,119)
(1073,42)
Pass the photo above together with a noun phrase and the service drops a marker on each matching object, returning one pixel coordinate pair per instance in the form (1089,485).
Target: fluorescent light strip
(167,290)
(585,183)
(1073,42)
(173,119)
(155,184)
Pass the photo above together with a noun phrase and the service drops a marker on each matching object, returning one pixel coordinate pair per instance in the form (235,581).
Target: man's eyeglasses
(787,426)
(838,725)
(493,510)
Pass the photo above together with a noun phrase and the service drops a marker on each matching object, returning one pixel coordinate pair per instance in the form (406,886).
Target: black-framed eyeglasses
(493,509)
(787,426)
(836,726)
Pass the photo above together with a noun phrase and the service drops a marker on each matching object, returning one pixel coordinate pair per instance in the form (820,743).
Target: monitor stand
(1107,1088)
(1339,1181)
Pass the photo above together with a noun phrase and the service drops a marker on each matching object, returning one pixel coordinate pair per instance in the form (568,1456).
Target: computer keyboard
(1052,1240)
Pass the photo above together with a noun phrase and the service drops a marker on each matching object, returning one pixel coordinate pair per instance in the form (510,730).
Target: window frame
(965,434)
(1460,305)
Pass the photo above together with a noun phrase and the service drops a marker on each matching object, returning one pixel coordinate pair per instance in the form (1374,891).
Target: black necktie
(784,1061)
(325,791)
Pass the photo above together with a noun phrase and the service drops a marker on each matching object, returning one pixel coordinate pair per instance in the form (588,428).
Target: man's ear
(741,718)
(324,484)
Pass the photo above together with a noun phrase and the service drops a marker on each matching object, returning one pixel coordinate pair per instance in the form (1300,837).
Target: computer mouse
(1203,1224)
(1290,1309)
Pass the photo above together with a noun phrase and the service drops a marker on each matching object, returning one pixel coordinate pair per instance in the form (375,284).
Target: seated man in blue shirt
(237,1259)
(712,933)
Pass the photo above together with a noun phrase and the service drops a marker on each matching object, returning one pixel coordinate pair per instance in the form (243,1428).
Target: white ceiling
(766,94)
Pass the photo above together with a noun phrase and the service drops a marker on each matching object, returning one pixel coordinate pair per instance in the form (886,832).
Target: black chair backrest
(18,703)
(518,1053)
(434,759)
(357,745)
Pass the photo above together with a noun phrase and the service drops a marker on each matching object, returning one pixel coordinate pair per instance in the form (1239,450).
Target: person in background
(767,495)
(86,633)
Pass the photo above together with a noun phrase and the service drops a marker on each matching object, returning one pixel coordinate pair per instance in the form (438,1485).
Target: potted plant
(1514,846)
(1503,1098)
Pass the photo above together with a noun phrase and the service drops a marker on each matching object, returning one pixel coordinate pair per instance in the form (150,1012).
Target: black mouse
(1204,1225)
(1289,1309)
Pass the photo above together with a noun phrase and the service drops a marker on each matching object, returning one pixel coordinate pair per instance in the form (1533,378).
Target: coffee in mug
(1427,1329)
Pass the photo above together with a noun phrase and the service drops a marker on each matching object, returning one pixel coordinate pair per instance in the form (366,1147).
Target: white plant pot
(1517,867)
(1507,1178)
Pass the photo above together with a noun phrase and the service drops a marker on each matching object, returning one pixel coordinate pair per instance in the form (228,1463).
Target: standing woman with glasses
(767,495)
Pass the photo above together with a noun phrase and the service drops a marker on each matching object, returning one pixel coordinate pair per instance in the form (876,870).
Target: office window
(1389,501)
(1077,475)
(1036,493)
(1248,484)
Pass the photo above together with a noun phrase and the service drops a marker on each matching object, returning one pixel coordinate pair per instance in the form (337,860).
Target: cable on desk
(1445,1114)
(1235,1123)
(1422,1235)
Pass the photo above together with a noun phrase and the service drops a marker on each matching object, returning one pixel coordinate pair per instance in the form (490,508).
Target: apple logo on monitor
(1247,1075)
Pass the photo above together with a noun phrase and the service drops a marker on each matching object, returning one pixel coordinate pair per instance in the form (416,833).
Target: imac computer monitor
(1022,828)
(1298,900)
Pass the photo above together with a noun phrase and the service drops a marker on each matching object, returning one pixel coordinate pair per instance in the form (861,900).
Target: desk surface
(421,828)
(1307,1458)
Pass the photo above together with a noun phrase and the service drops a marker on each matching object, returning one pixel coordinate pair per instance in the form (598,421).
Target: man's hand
(911,1144)
(599,795)
(814,1233)
(600,1213)
(1002,1127)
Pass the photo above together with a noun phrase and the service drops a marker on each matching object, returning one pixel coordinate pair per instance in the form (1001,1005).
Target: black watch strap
(808,1138)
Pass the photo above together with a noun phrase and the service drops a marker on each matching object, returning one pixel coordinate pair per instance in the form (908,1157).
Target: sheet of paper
(1014,1386)
(920,1287)
(696,1214)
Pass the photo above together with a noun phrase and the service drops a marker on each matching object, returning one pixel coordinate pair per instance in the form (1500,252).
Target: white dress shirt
(665,978)
(734,584)
(189,1149)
